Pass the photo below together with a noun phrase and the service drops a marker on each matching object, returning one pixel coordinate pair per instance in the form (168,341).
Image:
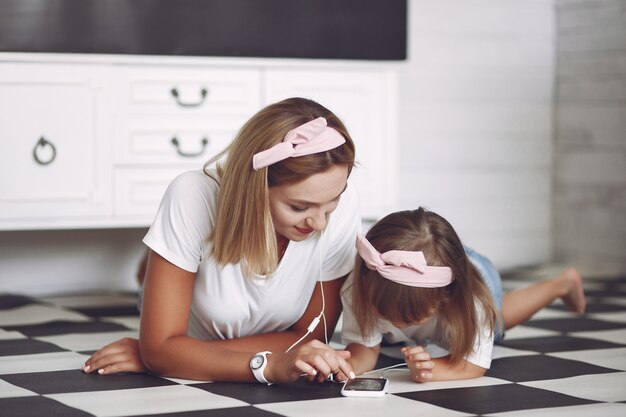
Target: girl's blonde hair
(243,230)
(421,230)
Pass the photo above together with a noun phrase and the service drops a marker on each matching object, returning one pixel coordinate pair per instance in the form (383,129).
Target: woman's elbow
(153,357)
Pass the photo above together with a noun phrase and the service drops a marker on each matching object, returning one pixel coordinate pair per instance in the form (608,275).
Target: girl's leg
(519,305)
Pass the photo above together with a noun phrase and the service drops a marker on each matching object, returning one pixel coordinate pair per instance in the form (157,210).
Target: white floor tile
(521,332)
(131,322)
(615,336)
(615,300)
(506,352)
(400,381)
(156,400)
(591,410)
(87,341)
(547,313)
(389,405)
(613,317)
(598,387)
(7,335)
(41,362)
(185,381)
(9,390)
(36,314)
(608,358)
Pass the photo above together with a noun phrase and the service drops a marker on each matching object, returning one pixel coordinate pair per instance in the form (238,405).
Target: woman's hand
(419,362)
(314,359)
(119,356)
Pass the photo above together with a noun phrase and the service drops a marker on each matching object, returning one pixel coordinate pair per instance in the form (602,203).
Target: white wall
(64,261)
(475,122)
(590,141)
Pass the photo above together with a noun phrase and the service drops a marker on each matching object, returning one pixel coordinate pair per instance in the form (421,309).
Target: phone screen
(365,384)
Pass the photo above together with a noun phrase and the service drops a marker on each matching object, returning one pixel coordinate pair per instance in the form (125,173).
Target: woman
(236,254)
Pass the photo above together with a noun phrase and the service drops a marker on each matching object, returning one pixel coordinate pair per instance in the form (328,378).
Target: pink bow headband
(404,267)
(309,138)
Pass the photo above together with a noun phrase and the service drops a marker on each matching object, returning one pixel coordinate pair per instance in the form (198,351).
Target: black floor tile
(27,347)
(112,311)
(8,301)
(262,394)
(540,367)
(64,327)
(37,407)
(557,344)
(58,382)
(494,398)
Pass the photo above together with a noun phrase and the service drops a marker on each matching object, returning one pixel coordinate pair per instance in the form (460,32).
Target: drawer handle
(176,143)
(203,94)
(42,143)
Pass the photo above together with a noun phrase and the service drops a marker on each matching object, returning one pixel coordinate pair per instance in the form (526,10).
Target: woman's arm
(424,369)
(167,350)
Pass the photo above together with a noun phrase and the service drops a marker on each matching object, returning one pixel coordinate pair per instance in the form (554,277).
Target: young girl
(231,286)
(414,282)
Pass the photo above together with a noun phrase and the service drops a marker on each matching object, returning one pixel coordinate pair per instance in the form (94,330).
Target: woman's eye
(298,209)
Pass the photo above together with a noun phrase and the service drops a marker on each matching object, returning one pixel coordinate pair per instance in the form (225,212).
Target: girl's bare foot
(574,298)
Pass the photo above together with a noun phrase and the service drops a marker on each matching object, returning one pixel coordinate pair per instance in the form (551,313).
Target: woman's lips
(303,231)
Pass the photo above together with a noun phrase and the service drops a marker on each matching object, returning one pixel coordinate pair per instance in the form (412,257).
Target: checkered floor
(554,365)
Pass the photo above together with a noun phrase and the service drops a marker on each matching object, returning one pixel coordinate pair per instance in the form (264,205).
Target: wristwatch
(258,363)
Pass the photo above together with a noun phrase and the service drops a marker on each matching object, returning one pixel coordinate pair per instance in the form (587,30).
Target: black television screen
(325,29)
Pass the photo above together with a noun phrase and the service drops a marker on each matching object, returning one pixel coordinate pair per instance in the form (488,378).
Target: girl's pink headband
(309,138)
(404,267)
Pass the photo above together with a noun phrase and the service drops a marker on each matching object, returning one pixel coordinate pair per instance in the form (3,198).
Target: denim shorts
(492,280)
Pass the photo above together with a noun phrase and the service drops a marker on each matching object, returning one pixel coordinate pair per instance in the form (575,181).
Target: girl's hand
(315,359)
(119,356)
(419,362)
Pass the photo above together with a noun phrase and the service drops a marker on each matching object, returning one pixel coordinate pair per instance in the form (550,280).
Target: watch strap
(259,373)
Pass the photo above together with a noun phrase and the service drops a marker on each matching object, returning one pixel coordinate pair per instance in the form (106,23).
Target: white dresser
(91,141)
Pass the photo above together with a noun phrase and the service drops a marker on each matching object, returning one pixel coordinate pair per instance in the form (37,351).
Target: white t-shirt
(225,303)
(432,331)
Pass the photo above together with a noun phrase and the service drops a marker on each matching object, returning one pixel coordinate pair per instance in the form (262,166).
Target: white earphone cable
(320,316)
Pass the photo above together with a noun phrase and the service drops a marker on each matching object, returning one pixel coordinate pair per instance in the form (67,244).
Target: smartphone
(365,387)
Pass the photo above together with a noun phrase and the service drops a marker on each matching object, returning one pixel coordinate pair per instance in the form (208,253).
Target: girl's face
(302,208)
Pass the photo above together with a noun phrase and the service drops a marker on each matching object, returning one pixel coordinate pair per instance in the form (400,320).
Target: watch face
(257,361)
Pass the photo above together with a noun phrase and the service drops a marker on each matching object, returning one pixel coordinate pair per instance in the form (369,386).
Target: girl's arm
(423,368)
(362,358)
(167,350)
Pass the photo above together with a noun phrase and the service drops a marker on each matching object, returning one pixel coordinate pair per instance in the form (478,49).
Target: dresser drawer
(138,192)
(189,91)
(173,140)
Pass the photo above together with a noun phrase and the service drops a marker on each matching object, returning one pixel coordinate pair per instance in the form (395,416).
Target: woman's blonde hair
(421,230)
(243,230)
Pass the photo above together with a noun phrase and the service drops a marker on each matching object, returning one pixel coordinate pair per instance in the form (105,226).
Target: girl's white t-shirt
(226,304)
(432,331)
